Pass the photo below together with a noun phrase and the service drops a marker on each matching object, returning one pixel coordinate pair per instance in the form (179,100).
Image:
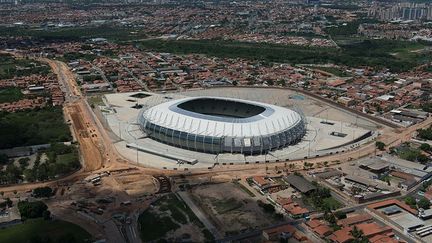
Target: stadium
(222,125)
(203,128)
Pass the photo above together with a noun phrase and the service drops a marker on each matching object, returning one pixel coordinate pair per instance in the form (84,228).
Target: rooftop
(355,220)
(390,202)
(299,183)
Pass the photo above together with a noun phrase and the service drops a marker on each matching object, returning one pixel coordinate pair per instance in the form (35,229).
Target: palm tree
(358,236)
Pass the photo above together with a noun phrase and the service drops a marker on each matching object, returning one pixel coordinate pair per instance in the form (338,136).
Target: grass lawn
(10,95)
(331,203)
(95,100)
(57,231)
(67,158)
(409,153)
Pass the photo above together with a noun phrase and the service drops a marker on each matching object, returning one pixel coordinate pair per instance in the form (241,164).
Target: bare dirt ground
(136,184)
(87,138)
(230,208)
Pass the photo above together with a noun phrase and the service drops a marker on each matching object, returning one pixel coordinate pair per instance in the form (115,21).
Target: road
(99,154)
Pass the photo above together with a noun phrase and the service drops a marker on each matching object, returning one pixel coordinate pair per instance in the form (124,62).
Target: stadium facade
(222,125)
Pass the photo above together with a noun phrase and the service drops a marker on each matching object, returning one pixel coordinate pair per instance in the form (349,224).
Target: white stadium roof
(272,120)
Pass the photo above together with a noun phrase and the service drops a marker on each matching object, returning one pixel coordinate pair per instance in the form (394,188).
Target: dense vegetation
(42,192)
(31,210)
(412,154)
(394,55)
(45,231)
(60,160)
(380,145)
(413,203)
(10,67)
(425,133)
(33,127)
(10,94)
(76,33)
(322,199)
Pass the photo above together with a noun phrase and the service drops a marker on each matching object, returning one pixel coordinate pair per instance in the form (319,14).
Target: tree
(425,133)
(31,209)
(410,201)
(9,202)
(380,145)
(29,175)
(358,236)
(46,215)
(423,203)
(42,192)
(425,147)
(24,162)
(4,159)
(423,159)
(340,215)
(13,173)
(329,217)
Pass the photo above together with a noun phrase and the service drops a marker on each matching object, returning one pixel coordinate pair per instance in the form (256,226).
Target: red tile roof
(287,228)
(314,223)
(260,180)
(323,230)
(361,218)
(297,210)
(382,239)
(372,229)
(390,202)
(343,235)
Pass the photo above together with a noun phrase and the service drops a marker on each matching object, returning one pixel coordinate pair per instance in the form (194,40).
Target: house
(323,231)
(260,181)
(300,184)
(296,211)
(372,229)
(361,218)
(342,236)
(275,233)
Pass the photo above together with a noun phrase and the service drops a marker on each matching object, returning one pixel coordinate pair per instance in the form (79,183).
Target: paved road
(132,232)
(201,216)
(112,232)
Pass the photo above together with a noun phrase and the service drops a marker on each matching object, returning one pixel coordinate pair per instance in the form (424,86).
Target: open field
(171,219)
(135,183)
(56,230)
(230,208)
